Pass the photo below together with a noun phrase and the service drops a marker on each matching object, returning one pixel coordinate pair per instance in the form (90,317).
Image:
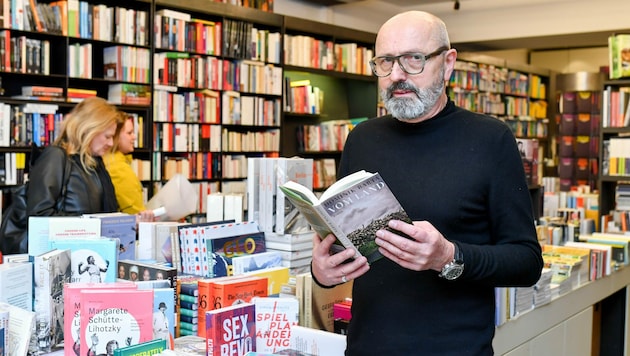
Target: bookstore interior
(230,101)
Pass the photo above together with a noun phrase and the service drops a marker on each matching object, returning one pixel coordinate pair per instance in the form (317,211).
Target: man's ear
(449,63)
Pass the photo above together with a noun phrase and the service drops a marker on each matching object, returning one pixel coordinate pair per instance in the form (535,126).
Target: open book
(352,209)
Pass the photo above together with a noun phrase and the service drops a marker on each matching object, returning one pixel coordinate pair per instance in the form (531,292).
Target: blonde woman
(74,161)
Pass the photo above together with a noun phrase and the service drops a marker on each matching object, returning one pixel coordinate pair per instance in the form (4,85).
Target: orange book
(63,13)
(215,293)
(39,25)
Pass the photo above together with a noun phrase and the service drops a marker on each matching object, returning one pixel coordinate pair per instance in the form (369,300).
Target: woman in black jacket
(87,133)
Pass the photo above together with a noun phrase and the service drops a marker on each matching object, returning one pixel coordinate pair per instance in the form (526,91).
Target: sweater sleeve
(126,184)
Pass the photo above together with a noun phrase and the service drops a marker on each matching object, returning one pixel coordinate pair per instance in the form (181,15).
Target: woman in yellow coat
(126,183)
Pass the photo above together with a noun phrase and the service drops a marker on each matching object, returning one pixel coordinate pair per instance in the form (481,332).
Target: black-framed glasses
(410,63)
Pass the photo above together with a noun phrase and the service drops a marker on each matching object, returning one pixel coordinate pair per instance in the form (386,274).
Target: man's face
(411,96)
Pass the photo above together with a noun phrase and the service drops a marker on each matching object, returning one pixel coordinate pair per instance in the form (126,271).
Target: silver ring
(343,279)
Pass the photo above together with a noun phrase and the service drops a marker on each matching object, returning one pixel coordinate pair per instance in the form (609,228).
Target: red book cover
(231,330)
(113,318)
(216,293)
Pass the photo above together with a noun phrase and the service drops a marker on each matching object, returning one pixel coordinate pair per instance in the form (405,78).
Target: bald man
(460,178)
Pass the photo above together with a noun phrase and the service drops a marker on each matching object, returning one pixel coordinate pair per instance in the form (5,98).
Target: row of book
(178,31)
(186,137)
(23,54)
(327,136)
(267,141)
(615,108)
(616,156)
(567,267)
(310,52)
(79,19)
(238,109)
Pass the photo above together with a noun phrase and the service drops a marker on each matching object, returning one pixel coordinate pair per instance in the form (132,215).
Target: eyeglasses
(410,63)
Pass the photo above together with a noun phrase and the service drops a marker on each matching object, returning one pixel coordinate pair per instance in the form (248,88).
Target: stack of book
(36,92)
(296,250)
(188,305)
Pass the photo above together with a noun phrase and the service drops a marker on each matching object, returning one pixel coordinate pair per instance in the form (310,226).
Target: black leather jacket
(84,194)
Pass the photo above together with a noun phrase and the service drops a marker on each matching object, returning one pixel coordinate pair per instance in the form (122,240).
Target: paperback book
(352,209)
(231,330)
(51,271)
(121,226)
(91,258)
(107,324)
(153,347)
(274,319)
(72,311)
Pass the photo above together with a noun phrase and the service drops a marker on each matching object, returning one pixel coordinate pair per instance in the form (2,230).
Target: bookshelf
(336,68)
(611,170)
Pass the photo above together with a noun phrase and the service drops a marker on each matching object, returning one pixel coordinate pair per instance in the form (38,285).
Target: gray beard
(407,109)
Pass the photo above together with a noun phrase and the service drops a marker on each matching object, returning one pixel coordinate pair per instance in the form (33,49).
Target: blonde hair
(88,119)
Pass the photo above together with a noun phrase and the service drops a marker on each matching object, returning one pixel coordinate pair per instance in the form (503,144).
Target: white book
(5,125)
(317,342)
(298,246)
(275,317)
(253,188)
(248,263)
(291,238)
(287,217)
(214,208)
(233,207)
(174,14)
(22,328)
(16,284)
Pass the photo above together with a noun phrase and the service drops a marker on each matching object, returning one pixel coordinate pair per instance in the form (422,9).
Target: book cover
(316,303)
(317,342)
(51,271)
(4,329)
(121,226)
(16,284)
(256,261)
(287,217)
(223,250)
(164,315)
(91,258)
(21,330)
(353,209)
(43,229)
(107,324)
(153,347)
(154,241)
(72,311)
(137,271)
(231,330)
(274,319)
(215,293)
(276,277)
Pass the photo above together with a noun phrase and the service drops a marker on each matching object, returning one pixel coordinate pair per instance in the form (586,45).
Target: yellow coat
(126,183)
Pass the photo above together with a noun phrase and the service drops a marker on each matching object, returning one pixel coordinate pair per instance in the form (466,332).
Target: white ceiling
(493,24)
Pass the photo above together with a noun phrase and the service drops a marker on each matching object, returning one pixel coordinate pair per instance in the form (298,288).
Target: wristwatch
(455,268)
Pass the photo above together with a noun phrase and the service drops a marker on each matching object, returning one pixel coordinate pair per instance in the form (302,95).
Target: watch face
(452,271)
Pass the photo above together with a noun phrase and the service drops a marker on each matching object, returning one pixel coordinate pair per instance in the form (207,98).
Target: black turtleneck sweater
(462,172)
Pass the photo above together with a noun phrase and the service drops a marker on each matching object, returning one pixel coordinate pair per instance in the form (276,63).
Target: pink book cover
(231,330)
(72,310)
(114,318)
